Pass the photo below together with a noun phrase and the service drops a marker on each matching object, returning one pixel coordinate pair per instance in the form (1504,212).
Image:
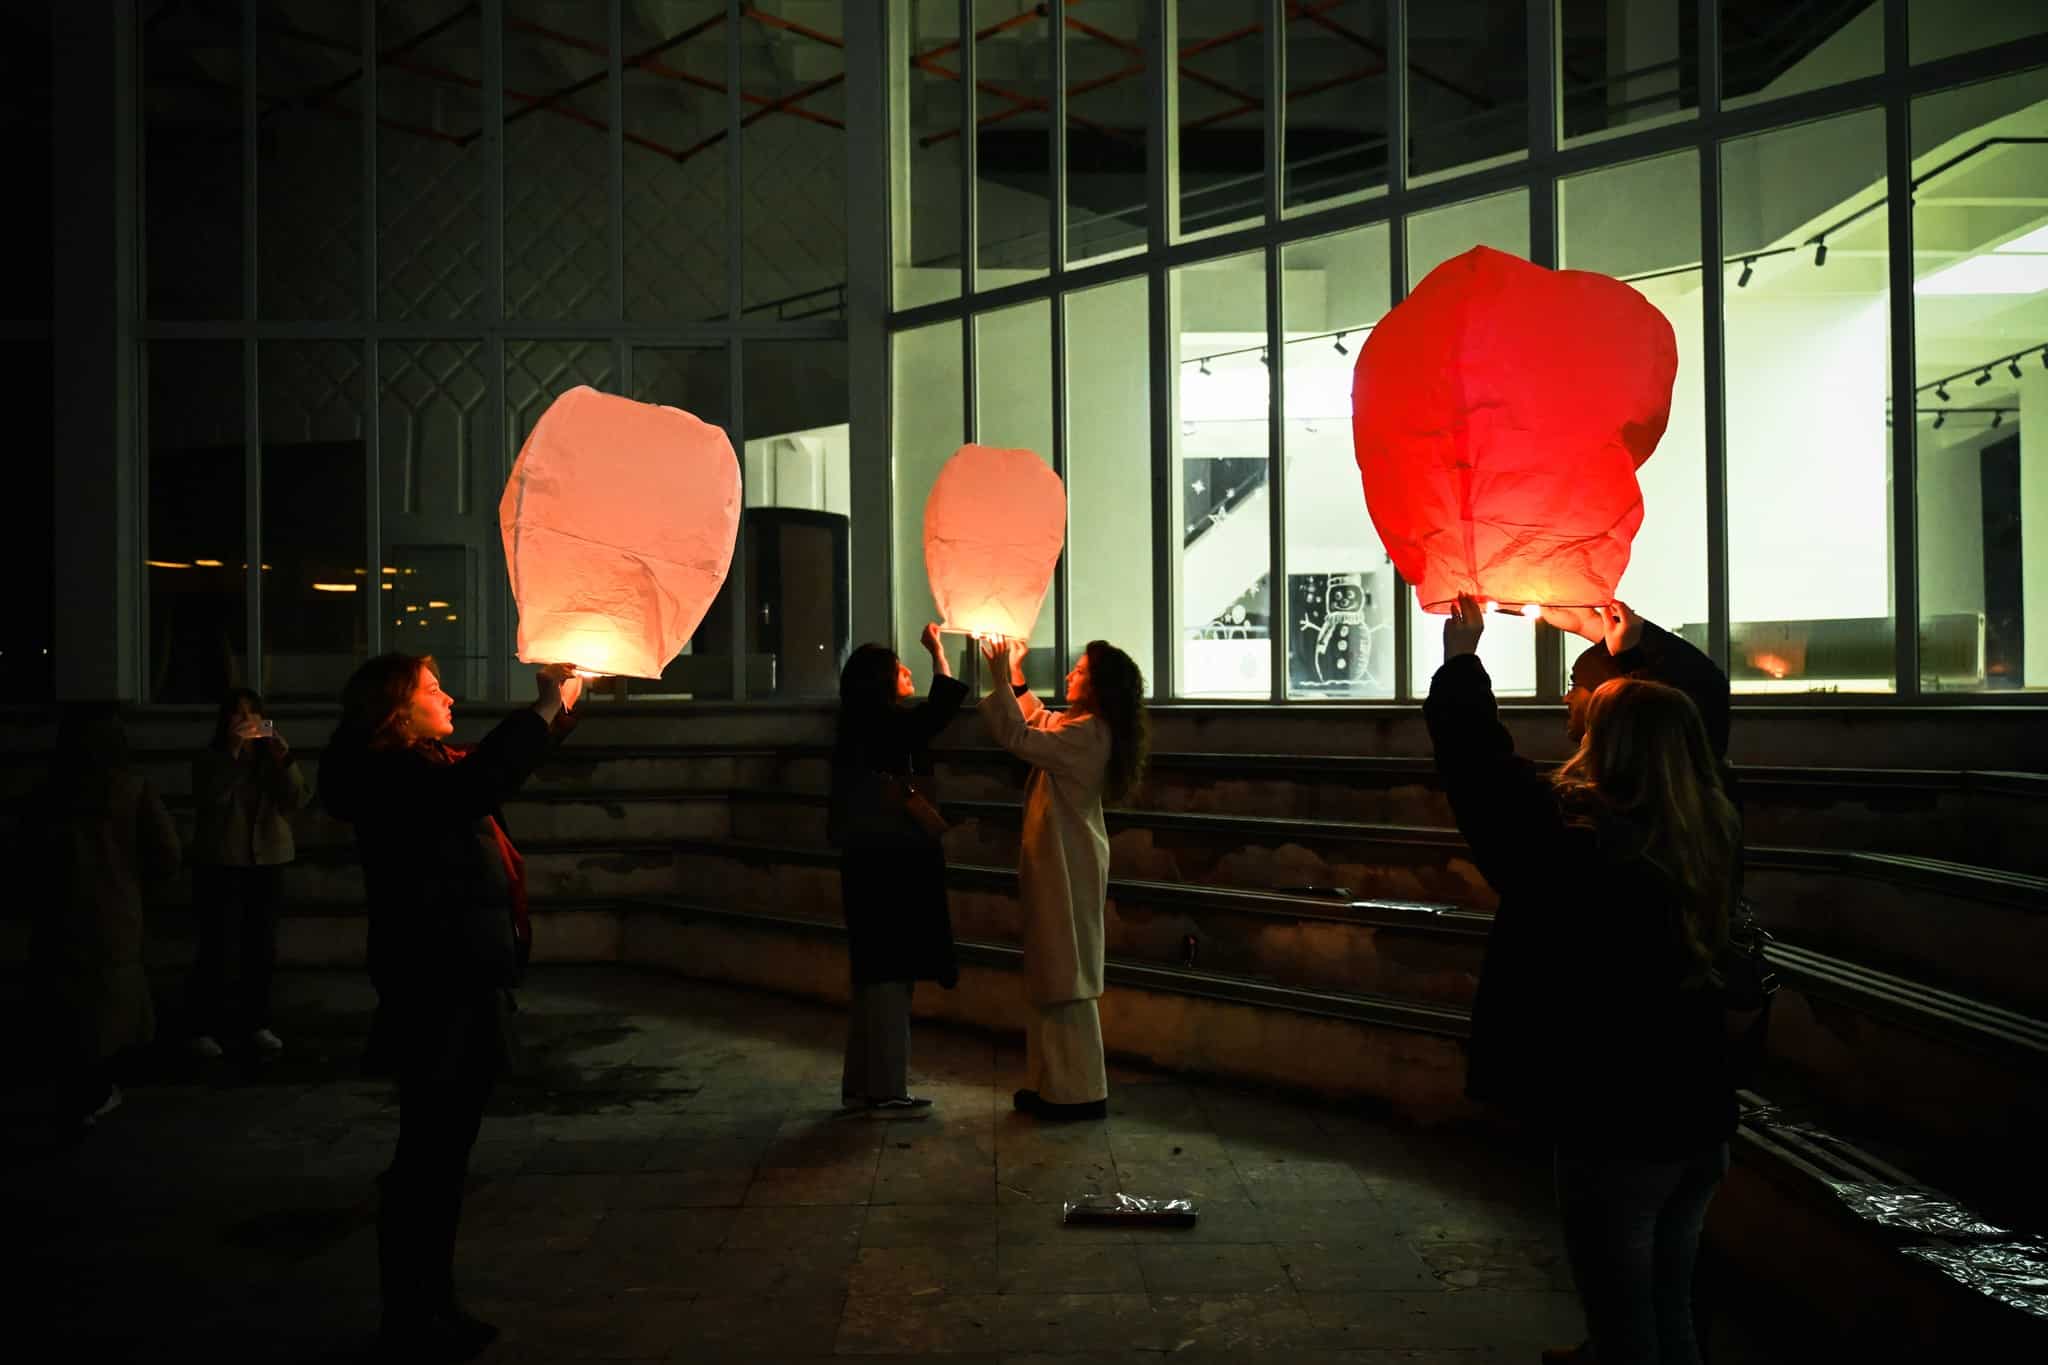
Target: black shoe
(901,1102)
(1026,1101)
(1061,1113)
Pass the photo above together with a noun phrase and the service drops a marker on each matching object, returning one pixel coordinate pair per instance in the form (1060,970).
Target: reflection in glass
(1942,28)
(1221,143)
(1981,369)
(1623,63)
(1105,135)
(430,164)
(1341,595)
(793,160)
(191,59)
(1468,85)
(1770,49)
(315,623)
(1222,596)
(196,546)
(924,153)
(1013,139)
(928,418)
(1639,222)
(1500,221)
(1809,512)
(28,629)
(1336,125)
(1013,387)
(1109,469)
(675,157)
(557,162)
(308,164)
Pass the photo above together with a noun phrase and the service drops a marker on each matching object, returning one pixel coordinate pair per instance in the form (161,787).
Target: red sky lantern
(1499,415)
(993,527)
(619,521)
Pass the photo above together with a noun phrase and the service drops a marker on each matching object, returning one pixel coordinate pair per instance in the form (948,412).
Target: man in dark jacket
(1624,645)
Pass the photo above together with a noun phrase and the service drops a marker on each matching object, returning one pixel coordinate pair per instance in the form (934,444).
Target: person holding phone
(246,785)
(446,900)
(1091,753)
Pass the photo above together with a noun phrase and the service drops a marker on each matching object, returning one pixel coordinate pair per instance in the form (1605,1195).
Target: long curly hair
(1645,759)
(1117,688)
(375,698)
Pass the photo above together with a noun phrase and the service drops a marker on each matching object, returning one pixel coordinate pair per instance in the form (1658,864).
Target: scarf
(508,856)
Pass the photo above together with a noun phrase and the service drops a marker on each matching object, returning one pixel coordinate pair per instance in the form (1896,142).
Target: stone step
(568,868)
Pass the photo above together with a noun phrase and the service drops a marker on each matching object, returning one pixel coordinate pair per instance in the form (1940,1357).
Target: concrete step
(573,869)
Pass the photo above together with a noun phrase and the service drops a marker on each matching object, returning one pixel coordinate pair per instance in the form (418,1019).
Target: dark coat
(1585,1019)
(1660,656)
(893,892)
(438,891)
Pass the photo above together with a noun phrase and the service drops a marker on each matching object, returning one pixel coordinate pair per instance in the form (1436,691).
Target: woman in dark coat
(446,907)
(1598,1017)
(892,872)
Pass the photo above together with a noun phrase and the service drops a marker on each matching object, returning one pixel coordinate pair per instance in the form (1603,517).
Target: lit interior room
(1371,674)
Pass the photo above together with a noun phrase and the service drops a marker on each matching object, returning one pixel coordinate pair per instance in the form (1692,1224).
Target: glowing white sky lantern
(993,527)
(619,521)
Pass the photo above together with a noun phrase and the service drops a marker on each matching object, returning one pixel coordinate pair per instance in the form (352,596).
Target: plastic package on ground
(619,521)
(994,523)
(1132,1210)
(1499,415)
(1917,1210)
(2014,1273)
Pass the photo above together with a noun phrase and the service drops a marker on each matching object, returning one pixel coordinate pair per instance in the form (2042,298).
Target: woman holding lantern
(892,868)
(447,906)
(1094,751)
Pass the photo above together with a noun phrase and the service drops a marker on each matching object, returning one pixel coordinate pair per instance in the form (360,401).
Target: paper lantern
(619,521)
(1498,415)
(993,527)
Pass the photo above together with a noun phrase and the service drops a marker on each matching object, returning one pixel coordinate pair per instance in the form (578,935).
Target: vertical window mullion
(373,523)
(1397,284)
(1162,201)
(735,360)
(1056,253)
(1543,247)
(1276,352)
(252,434)
(1714,328)
(1905,484)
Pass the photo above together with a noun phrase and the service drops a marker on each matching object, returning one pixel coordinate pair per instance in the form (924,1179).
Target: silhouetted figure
(892,870)
(1597,1017)
(99,834)
(246,784)
(1092,752)
(446,907)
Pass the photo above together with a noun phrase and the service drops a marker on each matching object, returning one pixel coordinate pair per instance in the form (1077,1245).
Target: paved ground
(667,1179)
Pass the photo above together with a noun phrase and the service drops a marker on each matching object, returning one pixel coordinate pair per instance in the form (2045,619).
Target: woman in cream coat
(1094,751)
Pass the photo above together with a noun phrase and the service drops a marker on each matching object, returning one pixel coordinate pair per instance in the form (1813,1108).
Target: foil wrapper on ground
(1916,1210)
(2014,1273)
(1132,1210)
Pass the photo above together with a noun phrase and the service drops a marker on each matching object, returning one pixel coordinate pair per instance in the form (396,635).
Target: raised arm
(1073,751)
(1662,657)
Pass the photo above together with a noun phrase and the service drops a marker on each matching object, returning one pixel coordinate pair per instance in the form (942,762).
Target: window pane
(924,151)
(1013,393)
(1942,28)
(1980,304)
(309,163)
(1468,84)
(693,379)
(798,502)
(793,158)
(439,482)
(1336,127)
(1340,584)
(1626,62)
(1809,458)
(192,161)
(1109,469)
(557,162)
(1220,145)
(315,625)
(28,630)
(430,164)
(1770,49)
(676,156)
(197,547)
(1013,139)
(929,418)
(1105,136)
(1509,645)
(1221,597)
(1640,222)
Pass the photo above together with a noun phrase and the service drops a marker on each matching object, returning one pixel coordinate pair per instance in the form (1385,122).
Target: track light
(1748,269)
(1941,390)
(1997,418)
(1985,378)
(1820,252)
(1265,360)
(1940,419)
(2013,367)
(1342,349)
(1204,365)
(2044,357)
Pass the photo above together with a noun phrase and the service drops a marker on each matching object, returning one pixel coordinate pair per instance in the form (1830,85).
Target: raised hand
(1585,622)
(1464,626)
(1621,628)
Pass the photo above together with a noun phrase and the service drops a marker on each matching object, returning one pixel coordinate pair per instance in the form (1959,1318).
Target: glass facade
(1206,340)
(377,242)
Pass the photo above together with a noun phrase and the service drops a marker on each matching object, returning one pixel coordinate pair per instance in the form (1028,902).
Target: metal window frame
(1548,162)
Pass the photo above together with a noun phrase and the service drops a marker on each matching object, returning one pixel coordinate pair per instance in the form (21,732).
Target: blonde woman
(1092,752)
(1596,1017)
